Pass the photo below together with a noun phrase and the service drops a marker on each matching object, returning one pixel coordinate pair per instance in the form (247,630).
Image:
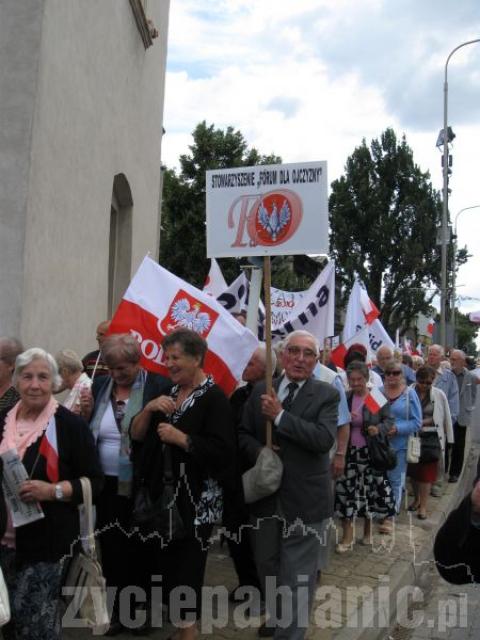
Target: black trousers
(182,565)
(457,450)
(126,559)
(237,525)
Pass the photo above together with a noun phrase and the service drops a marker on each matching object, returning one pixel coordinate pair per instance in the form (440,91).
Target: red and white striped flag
(157,302)
(49,450)
(375,400)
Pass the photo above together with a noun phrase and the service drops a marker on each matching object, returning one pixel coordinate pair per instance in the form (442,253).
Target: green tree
(183,229)
(384,214)
(466,333)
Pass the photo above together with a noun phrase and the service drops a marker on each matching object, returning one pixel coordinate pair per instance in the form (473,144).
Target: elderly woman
(31,554)
(362,492)
(407,415)
(194,426)
(436,419)
(70,368)
(116,399)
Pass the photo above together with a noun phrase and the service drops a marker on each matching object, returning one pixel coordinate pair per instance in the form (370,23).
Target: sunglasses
(393,373)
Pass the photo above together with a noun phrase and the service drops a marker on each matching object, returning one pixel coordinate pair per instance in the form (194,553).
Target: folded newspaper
(14,475)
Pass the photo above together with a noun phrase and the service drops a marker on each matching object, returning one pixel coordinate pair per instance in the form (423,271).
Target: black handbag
(430,449)
(382,456)
(159,516)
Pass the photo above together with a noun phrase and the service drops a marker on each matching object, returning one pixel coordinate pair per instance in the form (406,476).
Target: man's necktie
(287,402)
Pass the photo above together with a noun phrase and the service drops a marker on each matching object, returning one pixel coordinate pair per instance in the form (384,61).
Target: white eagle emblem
(274,222)
(190,317)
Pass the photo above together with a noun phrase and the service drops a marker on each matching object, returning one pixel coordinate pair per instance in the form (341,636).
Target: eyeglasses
(393,373)
(296,351)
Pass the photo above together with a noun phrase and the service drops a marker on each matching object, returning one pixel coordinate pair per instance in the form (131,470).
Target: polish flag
(375,400)
(49,450)
(430,327)
(157,302)
(215,283)
(361,337)
(369,309)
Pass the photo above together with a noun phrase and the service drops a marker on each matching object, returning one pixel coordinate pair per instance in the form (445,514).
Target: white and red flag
(157,302)
(215,283)
(338,354)
(375,400)
(362,312)
(49,450)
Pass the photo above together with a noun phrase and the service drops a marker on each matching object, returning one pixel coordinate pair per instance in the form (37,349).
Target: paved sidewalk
(361,593)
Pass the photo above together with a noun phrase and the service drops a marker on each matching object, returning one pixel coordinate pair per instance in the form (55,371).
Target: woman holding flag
(56,448)
(362,492)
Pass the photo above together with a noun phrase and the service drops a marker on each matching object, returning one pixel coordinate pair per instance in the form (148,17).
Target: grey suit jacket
(305,436)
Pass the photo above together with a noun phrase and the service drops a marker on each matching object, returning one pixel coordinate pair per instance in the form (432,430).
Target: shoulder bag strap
(88,514)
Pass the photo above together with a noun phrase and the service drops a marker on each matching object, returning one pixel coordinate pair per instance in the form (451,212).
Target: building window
(120,243)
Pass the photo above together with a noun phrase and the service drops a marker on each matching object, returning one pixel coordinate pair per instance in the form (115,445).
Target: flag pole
(267,283)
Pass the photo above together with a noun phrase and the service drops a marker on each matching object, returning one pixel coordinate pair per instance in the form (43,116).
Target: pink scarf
(20,434)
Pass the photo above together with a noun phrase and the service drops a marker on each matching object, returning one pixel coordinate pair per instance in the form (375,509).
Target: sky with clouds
(308,80)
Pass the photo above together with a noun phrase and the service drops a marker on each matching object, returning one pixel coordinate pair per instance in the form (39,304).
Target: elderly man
(235,512)
(467,387)
(384,355)
(93,363)
(446,381)
(10,348)
(288,524)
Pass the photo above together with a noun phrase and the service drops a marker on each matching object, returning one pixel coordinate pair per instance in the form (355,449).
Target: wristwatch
(59,492)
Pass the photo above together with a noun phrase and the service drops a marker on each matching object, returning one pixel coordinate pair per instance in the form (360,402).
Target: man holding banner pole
(288,525)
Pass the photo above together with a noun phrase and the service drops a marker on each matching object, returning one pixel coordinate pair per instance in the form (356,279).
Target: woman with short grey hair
(114,400)
(27,357)
(56,448)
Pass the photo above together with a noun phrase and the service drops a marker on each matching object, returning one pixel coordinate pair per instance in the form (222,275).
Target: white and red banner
(215,283)
(361,337)
(157,302)
(361,312)
(267,210)
(49,450)
(375,400)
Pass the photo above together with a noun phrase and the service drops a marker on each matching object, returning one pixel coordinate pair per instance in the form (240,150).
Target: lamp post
(443,302)
(454,267)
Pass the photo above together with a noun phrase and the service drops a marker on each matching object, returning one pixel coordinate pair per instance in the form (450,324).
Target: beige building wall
(97,113)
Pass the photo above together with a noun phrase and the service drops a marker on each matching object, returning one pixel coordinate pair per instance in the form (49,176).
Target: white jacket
(441,416)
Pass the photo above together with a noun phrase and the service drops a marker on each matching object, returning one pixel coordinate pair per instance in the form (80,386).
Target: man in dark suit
(289,523)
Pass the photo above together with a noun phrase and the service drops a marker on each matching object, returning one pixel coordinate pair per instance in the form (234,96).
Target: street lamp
(446,137)
(454,267)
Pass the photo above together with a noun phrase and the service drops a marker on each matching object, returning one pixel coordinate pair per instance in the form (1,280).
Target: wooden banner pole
(267,283)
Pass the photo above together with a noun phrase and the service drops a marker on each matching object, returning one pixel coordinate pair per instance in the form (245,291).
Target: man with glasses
(289,523)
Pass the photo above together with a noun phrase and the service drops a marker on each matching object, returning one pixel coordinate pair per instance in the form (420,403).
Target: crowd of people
(135,434)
